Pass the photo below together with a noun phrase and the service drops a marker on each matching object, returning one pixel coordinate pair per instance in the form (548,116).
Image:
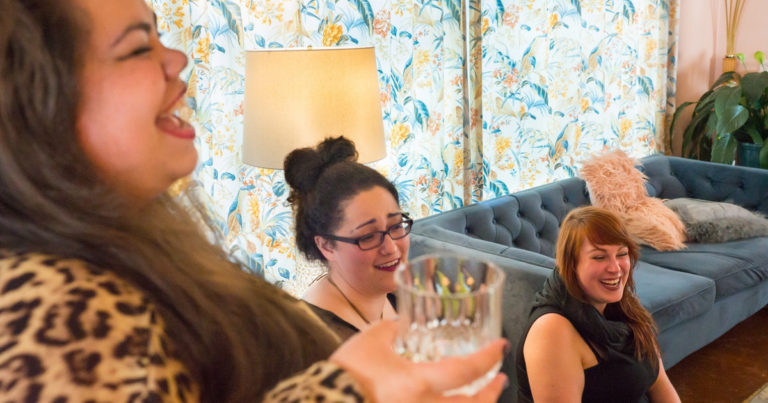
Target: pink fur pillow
(615,184)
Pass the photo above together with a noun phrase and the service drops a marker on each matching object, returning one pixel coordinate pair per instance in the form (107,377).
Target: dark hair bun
(304,165)
(337,149)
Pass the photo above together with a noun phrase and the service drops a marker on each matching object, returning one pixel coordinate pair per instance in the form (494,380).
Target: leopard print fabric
(71,332)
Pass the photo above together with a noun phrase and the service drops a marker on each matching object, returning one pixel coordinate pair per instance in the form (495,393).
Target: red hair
(601,227)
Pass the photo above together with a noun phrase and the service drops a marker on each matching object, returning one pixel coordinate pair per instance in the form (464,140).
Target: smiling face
(130,89)
(602,272)
(369,272)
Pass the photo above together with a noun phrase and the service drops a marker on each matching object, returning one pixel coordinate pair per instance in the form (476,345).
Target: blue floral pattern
(552,81)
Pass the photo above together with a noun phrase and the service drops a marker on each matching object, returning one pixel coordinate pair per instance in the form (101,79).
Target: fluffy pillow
(712,222)
(615,184)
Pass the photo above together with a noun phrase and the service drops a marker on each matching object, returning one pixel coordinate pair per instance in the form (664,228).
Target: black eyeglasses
(376,238)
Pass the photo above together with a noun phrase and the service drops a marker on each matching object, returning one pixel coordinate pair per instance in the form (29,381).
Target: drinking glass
(448,305)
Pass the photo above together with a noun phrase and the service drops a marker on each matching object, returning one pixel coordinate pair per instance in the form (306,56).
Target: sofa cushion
(672,297)
(712,222)
(617,185)
(734,266)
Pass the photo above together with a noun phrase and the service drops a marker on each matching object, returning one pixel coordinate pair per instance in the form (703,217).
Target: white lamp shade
(295,98)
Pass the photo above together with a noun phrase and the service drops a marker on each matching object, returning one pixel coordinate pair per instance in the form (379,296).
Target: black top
(618,375)
(340,326)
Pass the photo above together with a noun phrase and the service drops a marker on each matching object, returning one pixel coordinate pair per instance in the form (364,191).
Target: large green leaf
(731,115)
(723,148)
(732,118)
(764,156)
(753,85)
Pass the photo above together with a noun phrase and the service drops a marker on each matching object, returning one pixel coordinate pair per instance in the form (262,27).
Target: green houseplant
(733,110)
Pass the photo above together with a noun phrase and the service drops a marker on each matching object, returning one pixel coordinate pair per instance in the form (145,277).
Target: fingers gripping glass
(376,238)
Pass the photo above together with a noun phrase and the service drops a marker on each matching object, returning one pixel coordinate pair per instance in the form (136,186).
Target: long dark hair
(237,334)
(601,227)
(321,180)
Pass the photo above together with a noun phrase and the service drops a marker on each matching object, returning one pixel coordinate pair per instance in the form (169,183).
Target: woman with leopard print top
(108,290)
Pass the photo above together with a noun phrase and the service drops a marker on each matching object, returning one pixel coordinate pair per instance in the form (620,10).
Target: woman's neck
(359,309)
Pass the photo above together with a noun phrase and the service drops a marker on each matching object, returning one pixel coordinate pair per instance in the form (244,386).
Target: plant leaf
(724,78)
(753,85)
(731,115)
(764,156)
(760,56)
(740,56)
(723,148)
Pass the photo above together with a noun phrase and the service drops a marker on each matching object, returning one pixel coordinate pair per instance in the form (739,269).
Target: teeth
(389,264)
(613,282)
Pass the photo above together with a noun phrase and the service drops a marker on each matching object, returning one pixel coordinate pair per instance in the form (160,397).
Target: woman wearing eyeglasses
(348,217)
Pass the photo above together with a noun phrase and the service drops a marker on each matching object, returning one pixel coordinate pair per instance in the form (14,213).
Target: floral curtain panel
(551,81)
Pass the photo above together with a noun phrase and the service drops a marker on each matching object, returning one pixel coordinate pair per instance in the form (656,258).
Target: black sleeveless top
(618,375)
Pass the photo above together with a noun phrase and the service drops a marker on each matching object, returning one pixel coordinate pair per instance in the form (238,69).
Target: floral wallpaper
(550,82)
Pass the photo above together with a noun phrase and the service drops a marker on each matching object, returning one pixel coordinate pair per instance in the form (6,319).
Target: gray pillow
(712,222)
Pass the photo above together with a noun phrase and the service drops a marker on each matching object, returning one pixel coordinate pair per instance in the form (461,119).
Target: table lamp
(298,97)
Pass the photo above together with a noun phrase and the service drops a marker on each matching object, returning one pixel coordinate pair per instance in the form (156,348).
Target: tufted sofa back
(527,220)
(525,225)
(672,177)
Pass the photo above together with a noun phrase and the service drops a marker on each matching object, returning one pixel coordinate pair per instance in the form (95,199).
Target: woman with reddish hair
(588,337)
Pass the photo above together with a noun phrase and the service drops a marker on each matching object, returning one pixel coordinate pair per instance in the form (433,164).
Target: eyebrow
(137,26)
(373,220)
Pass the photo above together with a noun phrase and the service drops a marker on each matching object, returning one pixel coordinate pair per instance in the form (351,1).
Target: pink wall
(701,47)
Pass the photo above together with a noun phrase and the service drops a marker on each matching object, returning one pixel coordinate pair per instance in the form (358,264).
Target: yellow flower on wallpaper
(332,34)
(400,132)
(167,15)
(584,104)
(502,145)
(254,211)
(651,45)
(421,58)
(268,11)
(624,126)
(553,20)
(203,48)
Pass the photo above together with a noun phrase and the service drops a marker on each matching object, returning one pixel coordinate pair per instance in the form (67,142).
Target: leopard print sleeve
(70,332)
(322,382)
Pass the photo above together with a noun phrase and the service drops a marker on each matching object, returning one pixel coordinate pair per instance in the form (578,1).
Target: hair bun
(302,168)
(304,165)
(338,149)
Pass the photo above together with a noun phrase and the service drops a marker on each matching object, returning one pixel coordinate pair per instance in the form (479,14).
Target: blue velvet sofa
(695,294)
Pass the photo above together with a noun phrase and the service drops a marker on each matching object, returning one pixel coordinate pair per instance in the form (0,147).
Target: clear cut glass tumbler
(448,305)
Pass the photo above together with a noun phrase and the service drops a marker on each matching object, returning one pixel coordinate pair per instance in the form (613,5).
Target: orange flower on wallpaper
(381,25)
(332,34)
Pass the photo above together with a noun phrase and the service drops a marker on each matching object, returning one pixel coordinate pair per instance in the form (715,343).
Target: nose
(174,62)
(388,245)
(614,264)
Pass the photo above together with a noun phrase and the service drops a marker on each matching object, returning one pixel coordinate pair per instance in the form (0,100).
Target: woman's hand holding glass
(389,377)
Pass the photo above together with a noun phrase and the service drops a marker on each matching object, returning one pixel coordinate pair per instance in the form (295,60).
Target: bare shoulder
(554,358)
(552,328)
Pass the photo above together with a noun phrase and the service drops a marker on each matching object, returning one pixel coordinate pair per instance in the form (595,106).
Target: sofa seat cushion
(734,266)
(672,297)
